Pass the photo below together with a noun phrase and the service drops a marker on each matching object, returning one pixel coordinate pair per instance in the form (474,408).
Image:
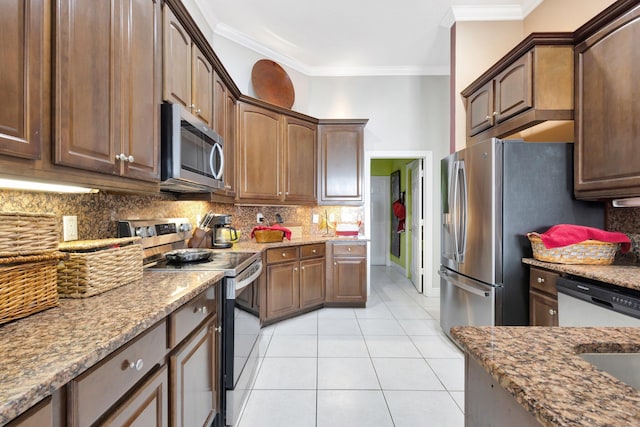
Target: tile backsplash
(98,213)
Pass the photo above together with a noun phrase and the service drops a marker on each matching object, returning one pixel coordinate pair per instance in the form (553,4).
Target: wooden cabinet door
(87,111)
(230,143)
(543,310)
(300,161)
(40,415)
(480,110)
(607,105)
(341,164)
(219,106)
(201,86)
(22,77)
(283,289)
(260,152)
(194,379)
(312,282)
(147,406)
(177,61)
(349,282)
(141,100)
(514,89)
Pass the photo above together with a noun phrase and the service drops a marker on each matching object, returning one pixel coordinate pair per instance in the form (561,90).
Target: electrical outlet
(315,218)
(259,218)
(69,228)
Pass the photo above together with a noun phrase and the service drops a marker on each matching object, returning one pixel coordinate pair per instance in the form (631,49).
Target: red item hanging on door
(400,212)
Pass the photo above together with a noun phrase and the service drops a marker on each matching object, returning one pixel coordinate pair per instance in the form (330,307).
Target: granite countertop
(253,246)
(540,367)
(627,276)
(44,351)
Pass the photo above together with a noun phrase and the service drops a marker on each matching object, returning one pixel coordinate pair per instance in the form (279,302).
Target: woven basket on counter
(25,233)
(268,236)
(27,285)
(95,266)
(589,252)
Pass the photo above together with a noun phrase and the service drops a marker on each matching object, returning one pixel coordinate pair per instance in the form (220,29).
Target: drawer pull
(137,365)
(202,310)
(313,251)
(295,268)
(540,280)
(284,255)
(218,329)
(553,312)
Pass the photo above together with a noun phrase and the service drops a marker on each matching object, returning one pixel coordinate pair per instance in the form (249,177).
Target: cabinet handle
(130,159)
(301,268)
(202,310)
(487,117)
(540,280)
(286,193)
(218,329)
(295,268)
(192,106)
(137,365)
(121,156)
(553,312)
(284,255)
(279,193)
(349,249)
(198,111)
(335,263)
(495,113)
(313,251)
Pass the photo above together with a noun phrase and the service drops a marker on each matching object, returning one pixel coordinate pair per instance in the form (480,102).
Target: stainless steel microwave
(191,153)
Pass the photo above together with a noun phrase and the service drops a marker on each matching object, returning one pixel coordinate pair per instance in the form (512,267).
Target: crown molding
(244,40)
(514,12)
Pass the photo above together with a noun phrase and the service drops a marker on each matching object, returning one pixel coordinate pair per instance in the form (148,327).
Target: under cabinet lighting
(632,202)
(14,184)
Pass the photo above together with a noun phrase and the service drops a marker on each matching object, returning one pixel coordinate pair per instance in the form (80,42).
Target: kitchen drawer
(543,280)
(282,254)
(342,249)
(187,318)
(95,391)
(312,251)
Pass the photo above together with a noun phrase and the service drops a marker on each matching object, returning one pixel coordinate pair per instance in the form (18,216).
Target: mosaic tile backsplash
(98,213)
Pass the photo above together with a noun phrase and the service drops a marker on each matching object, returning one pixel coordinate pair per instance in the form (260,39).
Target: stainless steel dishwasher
(582,302)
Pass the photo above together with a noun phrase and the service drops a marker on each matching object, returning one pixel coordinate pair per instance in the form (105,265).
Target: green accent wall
(384,167)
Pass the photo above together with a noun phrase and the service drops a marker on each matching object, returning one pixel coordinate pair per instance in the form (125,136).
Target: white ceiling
(354,37)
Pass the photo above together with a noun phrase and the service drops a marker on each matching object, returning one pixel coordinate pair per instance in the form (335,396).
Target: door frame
(384,232)
(429,286)
(409,241)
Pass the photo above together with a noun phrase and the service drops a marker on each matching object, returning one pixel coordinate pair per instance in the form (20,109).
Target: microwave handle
(217,174)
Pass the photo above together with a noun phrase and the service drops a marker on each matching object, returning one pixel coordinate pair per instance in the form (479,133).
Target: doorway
(417,262)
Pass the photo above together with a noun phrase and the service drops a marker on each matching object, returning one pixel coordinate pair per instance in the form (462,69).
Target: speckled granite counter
(539,366)
(44,351)
(252,246)
(627,276)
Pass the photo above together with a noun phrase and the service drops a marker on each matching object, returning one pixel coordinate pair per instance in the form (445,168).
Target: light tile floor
(388,364)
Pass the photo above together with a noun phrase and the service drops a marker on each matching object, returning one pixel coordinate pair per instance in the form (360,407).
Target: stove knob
(185,227)
(141,232)
(151,231)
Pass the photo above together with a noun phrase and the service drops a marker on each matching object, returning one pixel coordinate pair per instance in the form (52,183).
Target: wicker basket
(27,285)
(268,236)
(591,252)
(95,266)
(24,233)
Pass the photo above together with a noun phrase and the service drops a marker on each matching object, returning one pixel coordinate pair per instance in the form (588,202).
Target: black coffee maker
(224,235)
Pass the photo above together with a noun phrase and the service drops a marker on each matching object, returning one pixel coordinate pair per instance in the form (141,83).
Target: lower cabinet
(147,406)
(168,376)
(543,297)
(194,379)
(348,274)
(295,280)
(40,415)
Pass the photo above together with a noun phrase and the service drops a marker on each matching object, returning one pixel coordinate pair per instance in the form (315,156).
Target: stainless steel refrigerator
(493,193)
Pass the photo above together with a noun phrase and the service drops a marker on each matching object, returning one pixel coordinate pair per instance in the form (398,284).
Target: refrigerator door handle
(462,182)
(454,210)
(465,284)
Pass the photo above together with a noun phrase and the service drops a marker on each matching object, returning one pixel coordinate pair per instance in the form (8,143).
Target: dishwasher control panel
(619,299)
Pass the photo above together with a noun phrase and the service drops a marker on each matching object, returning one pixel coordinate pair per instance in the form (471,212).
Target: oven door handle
(244,282)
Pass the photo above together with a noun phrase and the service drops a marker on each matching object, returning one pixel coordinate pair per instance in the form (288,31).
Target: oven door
(241,335)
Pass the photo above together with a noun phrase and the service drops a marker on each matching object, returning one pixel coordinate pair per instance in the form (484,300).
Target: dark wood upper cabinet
(531,84)
(177,63)
(607,163)
(201,86)
(341,153)
(107,87)
(25,50)
(300,160)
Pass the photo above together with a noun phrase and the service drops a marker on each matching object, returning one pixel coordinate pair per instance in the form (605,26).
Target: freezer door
(447,221)
(465,302)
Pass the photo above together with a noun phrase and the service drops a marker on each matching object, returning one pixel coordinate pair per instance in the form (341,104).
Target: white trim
(529,6)
(229,33)
(506,12)
(429,287)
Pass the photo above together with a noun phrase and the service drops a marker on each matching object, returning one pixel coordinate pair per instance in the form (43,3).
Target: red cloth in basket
(567,234)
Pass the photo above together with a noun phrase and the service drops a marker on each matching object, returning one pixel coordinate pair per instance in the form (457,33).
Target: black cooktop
(229,262)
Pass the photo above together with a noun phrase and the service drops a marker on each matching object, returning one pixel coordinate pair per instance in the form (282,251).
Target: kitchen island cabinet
(23,82)
(607,163)
(107,87)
